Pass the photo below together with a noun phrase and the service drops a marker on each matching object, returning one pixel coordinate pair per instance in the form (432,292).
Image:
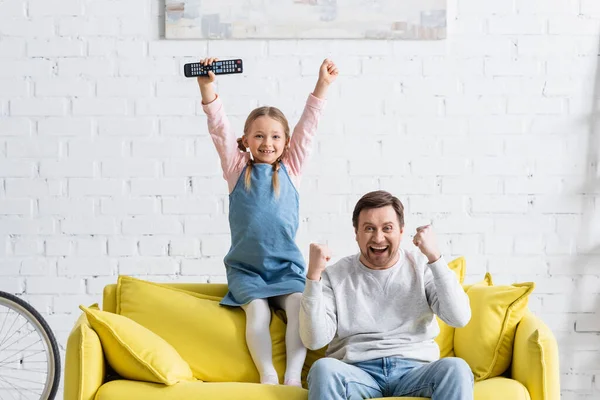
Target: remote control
(221,67)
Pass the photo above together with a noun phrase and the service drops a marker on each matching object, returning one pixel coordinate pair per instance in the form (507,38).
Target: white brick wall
(106,166)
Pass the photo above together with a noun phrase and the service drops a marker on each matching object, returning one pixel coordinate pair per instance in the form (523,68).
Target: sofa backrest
(109,299)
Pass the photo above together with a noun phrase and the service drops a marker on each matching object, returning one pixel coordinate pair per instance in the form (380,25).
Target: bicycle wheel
(29,357)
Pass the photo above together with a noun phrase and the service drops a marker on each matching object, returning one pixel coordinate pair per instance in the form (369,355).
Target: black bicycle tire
(53,343)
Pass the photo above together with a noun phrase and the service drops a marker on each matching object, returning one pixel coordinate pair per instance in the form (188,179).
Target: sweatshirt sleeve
(445,295)
(301,142)
(318,320)
(223,137)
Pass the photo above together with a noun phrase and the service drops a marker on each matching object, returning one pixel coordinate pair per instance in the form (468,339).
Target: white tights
(258,337)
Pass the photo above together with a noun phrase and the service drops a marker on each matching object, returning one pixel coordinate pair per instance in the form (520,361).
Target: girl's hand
(206,80)
(328,72)
(319,255)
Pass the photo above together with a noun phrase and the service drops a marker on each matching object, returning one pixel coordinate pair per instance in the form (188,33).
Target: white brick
(447,166)
(38,267)
(516,265)
(128,206)
(95,285)
(463,147)
(453,67)
(432,85)
(490,46)
(89,226)
(12,8)
(413,105)
(16,169)
(28,247)
(185,48)
(385,66)
(119,8)
(132,48)
(557,46)
(498,244)
(35,27)
(153,246)
(66,126)
(148,265)
(590,7)
(14,88)
(83,266)
(68,304)
(101,107)
(196,167)
(126,168)
(574,25)
(97,148)
(125,87)
(194,205)
(52,285)
(582,303)
(577,66)
(185,247)
(152,226)
(12,285)
(484,7)
(506,85)
(67,168)
(502,166)
(175,126)
(122,246)
(481,105)
(63,87)
(464,184)
(57,47)
(551,204)
(38,107)
(206,225)
(323,204)
(215,245)
(55,7)
(30,67)
(147,67)
(207,266)
(90,247)
(33,148)
(15,126)
(96,187)
(517,25)
(162,106)
(186,89)
(587,323)
(160,148)
(58,246)
(159,187)
(562,7)
(16,207)
(137,126)
(533,185)
(86,67)
(535,105)
(412,184)
(438,204)
(382,167)
(88,26)
(513,67)
(524,224)
(65,206)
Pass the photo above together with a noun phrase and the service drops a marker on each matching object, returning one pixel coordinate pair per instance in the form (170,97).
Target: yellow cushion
(445,339)
(486,342)
(129,390)
(210,337)
(85,361)
(136,353)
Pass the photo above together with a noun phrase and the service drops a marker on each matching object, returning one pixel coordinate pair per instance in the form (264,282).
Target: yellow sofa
(533,374)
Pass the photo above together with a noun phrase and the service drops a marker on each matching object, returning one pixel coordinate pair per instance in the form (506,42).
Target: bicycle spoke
(18,388)
(16,318)
(3,360)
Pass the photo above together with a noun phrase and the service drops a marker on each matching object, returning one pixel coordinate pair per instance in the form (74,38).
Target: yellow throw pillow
(85,361)
(136,353)
(445,339)
(486,342)
(210,337)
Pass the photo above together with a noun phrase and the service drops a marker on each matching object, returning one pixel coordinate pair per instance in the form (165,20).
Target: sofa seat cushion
(491,389)
(133,390)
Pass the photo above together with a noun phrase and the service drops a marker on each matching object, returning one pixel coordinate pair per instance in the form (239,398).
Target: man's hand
(318,256)
(426,241)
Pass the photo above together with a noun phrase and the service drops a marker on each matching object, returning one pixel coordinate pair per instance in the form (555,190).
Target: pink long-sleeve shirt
(233,160)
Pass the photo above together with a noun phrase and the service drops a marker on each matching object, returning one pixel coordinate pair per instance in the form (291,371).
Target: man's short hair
(378,199)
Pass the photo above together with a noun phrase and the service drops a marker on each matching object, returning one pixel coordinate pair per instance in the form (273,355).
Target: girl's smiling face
(266,140)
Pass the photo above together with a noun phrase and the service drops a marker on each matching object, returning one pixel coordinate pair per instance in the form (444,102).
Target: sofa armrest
(535,359)
(84,362)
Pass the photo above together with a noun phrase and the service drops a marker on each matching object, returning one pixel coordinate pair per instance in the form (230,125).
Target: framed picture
(306,19)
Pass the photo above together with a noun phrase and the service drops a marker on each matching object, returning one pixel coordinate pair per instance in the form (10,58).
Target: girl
(262,169)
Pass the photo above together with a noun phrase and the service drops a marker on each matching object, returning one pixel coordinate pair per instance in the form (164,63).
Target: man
(376,311)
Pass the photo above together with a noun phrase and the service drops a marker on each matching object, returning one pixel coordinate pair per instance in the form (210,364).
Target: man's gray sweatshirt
(364,314)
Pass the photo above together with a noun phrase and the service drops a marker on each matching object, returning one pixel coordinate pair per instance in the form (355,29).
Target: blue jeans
(446,379)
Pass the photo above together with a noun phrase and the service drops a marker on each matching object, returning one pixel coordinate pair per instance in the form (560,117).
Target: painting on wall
(306,19)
